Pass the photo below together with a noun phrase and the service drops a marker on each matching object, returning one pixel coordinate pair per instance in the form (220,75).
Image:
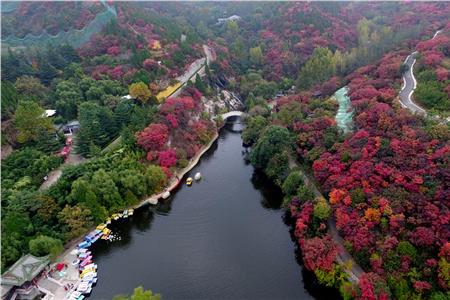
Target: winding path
(351,267)
(410,84)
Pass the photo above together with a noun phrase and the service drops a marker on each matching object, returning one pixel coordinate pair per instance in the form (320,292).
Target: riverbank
(213,240)
(67,256)
(178,176)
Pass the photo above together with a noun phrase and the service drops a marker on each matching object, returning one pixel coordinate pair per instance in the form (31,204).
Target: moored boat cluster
(86,267)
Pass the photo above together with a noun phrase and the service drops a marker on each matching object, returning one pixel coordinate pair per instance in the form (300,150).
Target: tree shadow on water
(272,196)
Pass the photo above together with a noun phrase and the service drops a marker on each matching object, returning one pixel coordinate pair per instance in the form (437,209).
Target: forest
(384,186)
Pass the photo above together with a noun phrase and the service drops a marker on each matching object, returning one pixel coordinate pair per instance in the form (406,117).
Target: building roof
(49,112)
(23,270)
(128,97)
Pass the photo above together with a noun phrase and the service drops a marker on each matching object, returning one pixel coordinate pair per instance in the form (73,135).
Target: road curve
(410,84)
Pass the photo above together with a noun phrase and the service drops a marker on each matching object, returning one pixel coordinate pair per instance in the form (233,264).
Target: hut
(19,281)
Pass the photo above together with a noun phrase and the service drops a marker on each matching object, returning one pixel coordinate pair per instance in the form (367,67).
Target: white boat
(93,266)
(89,278)
(76,296)
(84,287)
(130,212)
(166,195)
(198,176)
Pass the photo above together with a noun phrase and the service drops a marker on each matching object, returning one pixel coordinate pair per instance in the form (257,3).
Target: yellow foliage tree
(140,91)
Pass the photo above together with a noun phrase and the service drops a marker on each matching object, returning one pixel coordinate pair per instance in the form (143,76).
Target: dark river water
(223,238)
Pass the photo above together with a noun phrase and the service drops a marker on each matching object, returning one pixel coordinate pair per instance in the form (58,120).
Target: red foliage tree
(319,253)
(154,137)
(167,158)
(422,236)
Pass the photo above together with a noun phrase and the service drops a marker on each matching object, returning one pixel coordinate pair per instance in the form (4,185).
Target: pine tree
(199,84)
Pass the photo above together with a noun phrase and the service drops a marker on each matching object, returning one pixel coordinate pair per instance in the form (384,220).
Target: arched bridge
(234,113)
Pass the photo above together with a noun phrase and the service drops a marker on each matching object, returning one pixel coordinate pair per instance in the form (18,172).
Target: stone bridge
(234,113)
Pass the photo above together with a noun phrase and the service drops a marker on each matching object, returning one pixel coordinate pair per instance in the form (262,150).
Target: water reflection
(223,238)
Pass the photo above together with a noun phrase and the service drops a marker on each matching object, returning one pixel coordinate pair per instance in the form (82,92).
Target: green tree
(139,294)
(322,209)
(82,192)
(273,140)
(199,84)
(292,183)
(156,179)
(256,55)
(10,99)
(31,88)
(106,190)
(405,248)
(30,121)
(122,113)
(278,167)
(133,181)
(97,127)
(77,219)
(44,245)
(319,67)
(255,125)
(68,95)
(140,91)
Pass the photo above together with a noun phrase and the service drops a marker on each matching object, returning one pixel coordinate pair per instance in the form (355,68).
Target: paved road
(410,84)
(73,160)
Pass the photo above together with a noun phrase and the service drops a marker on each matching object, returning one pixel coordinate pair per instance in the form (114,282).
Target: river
(344,116)
(223,238)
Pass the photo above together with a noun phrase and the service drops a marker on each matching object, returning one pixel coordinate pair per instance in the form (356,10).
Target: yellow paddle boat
(101,227)
(189,181)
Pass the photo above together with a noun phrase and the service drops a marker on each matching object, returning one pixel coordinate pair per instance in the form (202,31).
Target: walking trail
(351,267)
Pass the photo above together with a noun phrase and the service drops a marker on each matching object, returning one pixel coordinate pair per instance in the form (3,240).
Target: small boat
(115,216)
(86,261)
(189,181)
(84,244)
(130,212)
(83,265)
(108,221)
(125,213)
(87,271)
(89,275)
(166,195)
(76,296)
(90,278)
(84,287)
(91,265)
(84,255)
(101,226)
(198,176)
